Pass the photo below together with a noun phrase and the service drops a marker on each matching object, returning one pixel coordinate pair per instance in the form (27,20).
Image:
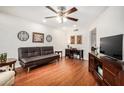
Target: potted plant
(3,57)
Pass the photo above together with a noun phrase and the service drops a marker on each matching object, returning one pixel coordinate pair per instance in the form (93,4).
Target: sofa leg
(28,69)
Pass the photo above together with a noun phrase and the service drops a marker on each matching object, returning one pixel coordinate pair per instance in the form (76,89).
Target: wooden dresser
(112,71)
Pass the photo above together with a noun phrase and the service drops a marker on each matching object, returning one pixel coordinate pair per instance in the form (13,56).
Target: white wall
(59,39)
(62,39)
(85,38)
(9,28)
(111,22)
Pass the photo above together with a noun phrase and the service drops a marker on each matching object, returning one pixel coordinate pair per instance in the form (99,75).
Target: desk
(10,62)
(71,52)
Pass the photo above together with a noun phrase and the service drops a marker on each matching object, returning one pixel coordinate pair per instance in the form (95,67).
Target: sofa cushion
(6,76)
(36,58)
(26,52)
(23,52)
(34,51)
(47,50)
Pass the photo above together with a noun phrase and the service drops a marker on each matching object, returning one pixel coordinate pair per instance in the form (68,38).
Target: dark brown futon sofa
(33,56)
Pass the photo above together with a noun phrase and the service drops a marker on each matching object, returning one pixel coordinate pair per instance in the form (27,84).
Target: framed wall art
(23,36)
(38,37)
(79,39)
(72,39)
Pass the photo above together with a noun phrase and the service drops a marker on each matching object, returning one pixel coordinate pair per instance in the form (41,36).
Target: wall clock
(23,36)
(49,38)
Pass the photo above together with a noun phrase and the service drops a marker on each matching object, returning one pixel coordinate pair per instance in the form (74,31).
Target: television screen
(112,46)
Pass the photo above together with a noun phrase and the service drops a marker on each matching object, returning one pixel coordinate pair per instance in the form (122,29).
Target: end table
(10,62)
(59,53)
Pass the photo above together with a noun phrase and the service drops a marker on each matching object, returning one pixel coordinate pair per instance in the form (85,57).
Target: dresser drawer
(109,77)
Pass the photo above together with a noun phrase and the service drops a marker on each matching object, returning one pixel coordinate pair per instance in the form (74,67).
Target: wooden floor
(66,72)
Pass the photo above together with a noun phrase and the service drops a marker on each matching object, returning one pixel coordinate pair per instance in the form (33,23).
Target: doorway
(93,41)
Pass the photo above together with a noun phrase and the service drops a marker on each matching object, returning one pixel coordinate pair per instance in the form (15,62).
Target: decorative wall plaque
(23,36)
(49,38)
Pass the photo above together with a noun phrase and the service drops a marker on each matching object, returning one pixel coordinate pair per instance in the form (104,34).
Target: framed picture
(79,39)
(72,39)
(38,37)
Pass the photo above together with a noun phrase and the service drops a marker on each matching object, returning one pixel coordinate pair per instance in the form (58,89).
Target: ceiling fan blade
(49,7)
(71,18)
(74,9)
(50,17)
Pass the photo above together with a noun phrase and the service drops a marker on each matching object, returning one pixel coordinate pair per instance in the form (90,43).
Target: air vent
(76,29)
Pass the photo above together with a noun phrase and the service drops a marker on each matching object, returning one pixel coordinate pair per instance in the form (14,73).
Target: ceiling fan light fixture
(59,19)
(64,19)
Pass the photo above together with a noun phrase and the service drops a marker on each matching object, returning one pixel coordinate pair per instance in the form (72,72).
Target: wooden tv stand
(113,70)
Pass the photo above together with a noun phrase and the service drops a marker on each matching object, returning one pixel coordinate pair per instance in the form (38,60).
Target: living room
(105,21)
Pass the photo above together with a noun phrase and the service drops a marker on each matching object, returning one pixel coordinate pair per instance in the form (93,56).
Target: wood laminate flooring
(66,72)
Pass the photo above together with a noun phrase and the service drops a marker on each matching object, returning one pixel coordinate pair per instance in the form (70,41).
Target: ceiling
(85,14)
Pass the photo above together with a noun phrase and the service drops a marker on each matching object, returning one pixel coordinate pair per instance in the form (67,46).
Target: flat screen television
(112,46)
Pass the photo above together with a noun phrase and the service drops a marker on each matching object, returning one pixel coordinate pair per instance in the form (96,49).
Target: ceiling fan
(62,13)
